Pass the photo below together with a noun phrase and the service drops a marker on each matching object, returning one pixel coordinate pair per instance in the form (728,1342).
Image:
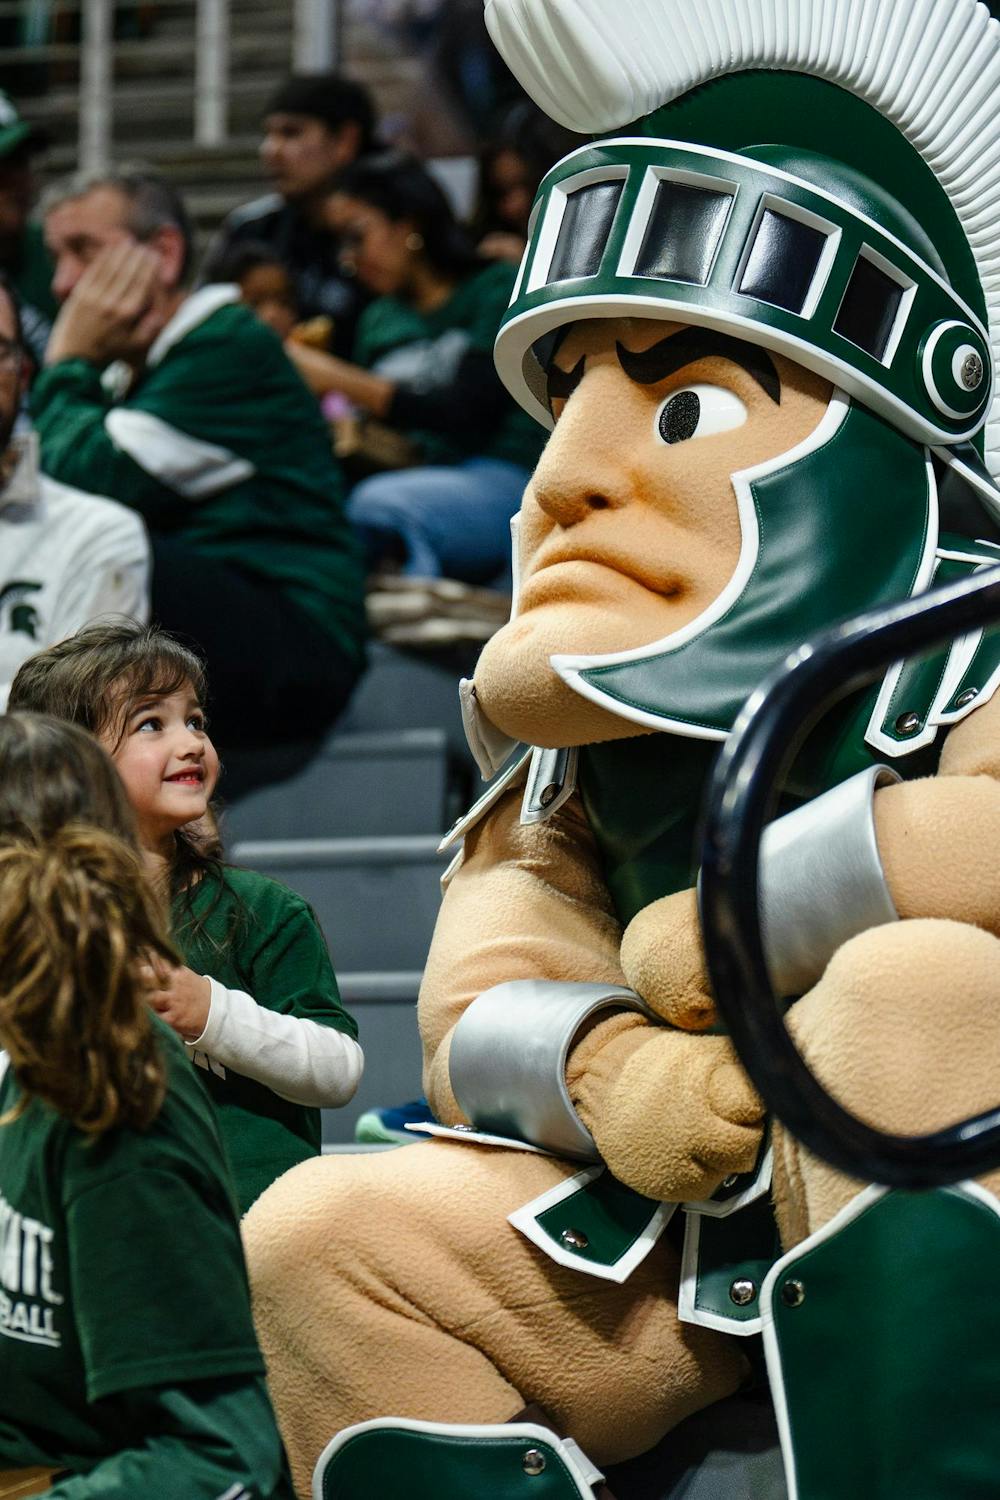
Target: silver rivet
(908,723)
(743,1291)
(548,794)
(966,697)
(533,1461)
(793,1293)
(463,1127)
(971,373)
(730,1181)
(575,1239)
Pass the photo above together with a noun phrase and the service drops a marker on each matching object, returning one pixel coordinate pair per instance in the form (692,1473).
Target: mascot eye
(698,411)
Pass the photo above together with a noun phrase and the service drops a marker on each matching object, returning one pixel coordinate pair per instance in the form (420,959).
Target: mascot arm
(663,961)
(527,902)
(938,836)
(936,840)
(672,1113)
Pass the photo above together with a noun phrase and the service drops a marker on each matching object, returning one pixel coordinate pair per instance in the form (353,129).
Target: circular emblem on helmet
(969,367)
(954,369)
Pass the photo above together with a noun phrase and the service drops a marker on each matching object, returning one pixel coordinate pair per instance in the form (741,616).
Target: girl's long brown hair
(76,919)
(95,678)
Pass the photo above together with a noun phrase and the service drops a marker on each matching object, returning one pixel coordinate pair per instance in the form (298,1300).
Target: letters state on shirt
(28,1299)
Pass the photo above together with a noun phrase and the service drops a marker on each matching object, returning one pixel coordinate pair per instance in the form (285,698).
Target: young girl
(255,1001)
(127,1352)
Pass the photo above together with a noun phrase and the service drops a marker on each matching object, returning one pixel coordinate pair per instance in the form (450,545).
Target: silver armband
(508,1060)
(821,880)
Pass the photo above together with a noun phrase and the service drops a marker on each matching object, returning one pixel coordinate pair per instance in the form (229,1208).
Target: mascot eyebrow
(670,355)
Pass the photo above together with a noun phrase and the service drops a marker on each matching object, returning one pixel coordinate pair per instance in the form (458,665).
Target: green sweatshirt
(422,351)
(127,1351)
(253,935)
(219,442)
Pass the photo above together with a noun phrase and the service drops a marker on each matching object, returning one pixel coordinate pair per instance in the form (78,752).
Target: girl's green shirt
(250,933)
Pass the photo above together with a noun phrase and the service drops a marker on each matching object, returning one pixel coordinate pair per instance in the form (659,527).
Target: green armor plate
(593,1223)
(400,1460)
(724,1266)
(882,1333)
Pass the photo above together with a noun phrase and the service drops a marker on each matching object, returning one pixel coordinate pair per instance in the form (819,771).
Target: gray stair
(376,899)
(385,1008)
(353,826)
(389,782)
(409,689)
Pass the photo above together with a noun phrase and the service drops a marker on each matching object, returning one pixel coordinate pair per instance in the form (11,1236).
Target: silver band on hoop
(821,880)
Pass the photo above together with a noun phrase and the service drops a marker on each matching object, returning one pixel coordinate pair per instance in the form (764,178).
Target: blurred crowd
(272,446)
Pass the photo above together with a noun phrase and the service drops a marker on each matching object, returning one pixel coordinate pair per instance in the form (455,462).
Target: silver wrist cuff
(821,880)
(508,1060)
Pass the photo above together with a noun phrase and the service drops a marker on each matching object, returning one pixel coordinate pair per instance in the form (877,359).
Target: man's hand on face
(114,311)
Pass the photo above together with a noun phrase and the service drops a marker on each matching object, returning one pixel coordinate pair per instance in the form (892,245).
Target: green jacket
(426,354)
(219,442)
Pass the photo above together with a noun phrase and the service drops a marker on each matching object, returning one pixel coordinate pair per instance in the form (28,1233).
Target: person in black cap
(315,125)
(24,259)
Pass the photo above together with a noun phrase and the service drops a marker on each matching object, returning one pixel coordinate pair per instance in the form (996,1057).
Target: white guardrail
(314,50)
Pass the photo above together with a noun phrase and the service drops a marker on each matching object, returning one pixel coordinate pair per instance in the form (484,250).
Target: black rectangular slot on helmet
(783,261)
(869,307)
(583,233)
(683,232)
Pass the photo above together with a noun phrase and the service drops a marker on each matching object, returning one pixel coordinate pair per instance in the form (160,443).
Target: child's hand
(178,995)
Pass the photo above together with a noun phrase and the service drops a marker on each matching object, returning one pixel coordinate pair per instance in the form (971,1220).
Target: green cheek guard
(636,228)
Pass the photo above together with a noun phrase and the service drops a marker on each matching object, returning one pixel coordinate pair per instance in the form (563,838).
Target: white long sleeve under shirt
(300,1060)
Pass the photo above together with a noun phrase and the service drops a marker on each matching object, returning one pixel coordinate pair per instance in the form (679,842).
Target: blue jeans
(452,521)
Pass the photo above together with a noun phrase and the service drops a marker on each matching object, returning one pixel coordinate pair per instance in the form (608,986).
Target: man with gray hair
(184,407)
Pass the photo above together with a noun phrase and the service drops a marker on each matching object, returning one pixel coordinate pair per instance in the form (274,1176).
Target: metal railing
(315,33)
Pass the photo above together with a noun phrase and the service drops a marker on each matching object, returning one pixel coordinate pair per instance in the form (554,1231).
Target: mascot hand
(672,1114)
(663,961)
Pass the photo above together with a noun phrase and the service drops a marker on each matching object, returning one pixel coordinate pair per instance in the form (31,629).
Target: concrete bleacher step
(376,899)
(385,1008)
(409,690)
(389,782)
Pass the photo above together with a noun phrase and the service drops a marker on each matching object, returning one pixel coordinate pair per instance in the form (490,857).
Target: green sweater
(127,1350)
(422,351)
(218,442)
(253,935)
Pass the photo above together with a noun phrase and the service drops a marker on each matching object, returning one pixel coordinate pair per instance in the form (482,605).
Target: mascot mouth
(571,577)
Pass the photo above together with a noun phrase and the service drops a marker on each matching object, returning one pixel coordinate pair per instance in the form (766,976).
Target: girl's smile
(167,763)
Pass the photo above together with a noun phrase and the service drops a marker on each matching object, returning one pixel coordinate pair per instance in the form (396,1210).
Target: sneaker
(386,1126)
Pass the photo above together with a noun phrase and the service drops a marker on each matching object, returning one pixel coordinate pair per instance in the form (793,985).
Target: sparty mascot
(758,311)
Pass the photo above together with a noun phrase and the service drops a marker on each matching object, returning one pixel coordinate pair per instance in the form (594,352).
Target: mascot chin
(757,311)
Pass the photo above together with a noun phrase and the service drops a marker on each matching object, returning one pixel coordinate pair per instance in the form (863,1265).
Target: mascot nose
(571,482)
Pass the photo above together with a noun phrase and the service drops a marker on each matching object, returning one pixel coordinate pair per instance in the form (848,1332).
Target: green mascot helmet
(822,179)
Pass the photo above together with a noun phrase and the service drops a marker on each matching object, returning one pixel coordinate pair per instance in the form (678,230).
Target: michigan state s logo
(16,613)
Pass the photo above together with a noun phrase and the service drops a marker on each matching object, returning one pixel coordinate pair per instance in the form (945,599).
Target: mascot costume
(758,311)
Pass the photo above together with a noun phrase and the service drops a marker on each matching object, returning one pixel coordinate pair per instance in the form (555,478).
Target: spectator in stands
(424,366)
(65,556)
(268,1033)
(23,256)
(518,153)
(265,283)
(130,1359)
(315,125)
(211,437)
(268,288)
